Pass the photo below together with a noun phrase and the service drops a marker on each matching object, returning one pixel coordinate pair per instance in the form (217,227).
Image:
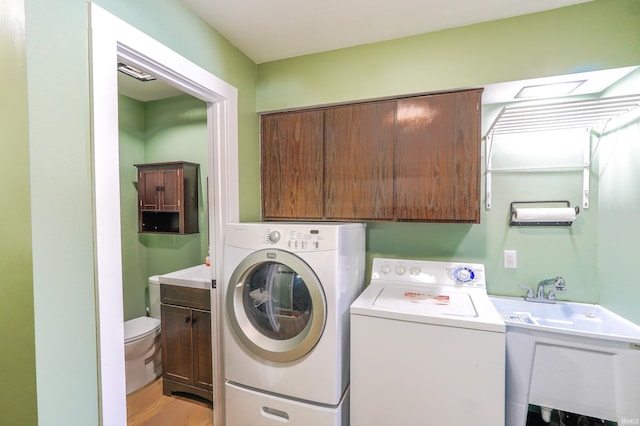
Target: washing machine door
(276,305)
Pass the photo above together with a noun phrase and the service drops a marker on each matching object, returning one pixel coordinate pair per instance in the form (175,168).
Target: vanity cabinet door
(437,158)
(359,161)
(186,341)
(177,350)
(292,160)
(202,370)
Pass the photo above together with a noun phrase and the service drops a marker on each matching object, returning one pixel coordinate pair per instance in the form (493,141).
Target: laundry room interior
(554,293)
(523,170)
(558,164)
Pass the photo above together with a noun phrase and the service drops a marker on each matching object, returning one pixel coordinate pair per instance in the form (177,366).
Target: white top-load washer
(427,347)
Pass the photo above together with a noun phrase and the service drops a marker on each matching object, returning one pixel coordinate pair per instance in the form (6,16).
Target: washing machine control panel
(428,272)
(299,238)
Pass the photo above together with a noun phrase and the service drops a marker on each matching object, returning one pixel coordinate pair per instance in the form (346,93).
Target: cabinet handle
(193,321)
(187,320)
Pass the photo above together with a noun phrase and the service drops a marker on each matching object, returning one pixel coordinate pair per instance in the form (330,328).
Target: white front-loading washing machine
(288,288)
(428,347)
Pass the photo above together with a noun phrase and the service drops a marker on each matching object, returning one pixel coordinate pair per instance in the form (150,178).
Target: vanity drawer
(196,298)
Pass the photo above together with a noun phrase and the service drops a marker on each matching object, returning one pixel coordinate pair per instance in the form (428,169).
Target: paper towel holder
(512,211)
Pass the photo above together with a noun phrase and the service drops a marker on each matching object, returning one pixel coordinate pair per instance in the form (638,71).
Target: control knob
(274,236)
(464,275)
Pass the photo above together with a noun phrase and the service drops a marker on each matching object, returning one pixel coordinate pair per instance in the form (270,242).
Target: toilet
(142,343)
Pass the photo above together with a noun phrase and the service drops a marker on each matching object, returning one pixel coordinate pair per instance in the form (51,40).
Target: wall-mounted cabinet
(437,158)
(358,161)
(292,159)
(409,159)
(168,197)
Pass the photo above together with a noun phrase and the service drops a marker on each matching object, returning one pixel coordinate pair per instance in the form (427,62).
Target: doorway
(113,41)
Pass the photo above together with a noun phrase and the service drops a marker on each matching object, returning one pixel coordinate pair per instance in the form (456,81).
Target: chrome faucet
(540,296)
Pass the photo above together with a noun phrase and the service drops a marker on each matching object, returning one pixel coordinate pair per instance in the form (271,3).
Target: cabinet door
(437,158)
(170,192)
(359,161)
(292,165)
(202,364)
(177,349)
(148,185)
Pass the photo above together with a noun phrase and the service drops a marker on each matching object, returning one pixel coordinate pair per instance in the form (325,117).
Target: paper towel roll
(563,214)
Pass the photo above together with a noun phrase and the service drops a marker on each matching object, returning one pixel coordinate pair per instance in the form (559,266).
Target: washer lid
(426,302)
(139,328)
(429,304)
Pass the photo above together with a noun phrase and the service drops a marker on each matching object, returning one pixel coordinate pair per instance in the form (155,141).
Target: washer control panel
(428,272)
(295,240)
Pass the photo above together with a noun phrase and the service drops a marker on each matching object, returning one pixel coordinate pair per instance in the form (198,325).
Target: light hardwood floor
(149,407)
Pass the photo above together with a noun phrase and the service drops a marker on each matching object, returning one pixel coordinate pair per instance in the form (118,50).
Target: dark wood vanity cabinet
(407,159)
(168,197)
(186,341)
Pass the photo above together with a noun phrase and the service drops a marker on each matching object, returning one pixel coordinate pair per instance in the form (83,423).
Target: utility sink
(571,357)
(580,319)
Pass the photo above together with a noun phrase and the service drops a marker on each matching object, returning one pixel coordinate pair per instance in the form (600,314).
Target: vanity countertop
(198,276)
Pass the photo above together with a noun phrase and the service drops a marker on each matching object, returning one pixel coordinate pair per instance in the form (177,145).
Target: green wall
(62,216)
(17,356)
(176,129)
(618,156)
(619,226)
(592,36)
(131,119)
(60,165)
(173,129)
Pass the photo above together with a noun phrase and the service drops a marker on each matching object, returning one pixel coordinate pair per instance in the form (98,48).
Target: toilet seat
(139,328)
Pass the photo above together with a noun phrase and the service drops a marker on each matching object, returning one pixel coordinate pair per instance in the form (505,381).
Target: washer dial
(464,275)
(274,236)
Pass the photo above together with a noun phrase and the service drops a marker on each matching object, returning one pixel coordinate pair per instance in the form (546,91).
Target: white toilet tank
(154,296)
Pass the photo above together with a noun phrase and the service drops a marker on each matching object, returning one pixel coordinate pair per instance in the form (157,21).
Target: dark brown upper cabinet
(168,197)
(407,159)
(437,158)
(358,162)
(292,161)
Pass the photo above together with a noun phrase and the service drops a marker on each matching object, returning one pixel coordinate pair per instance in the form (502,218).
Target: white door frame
(112,40)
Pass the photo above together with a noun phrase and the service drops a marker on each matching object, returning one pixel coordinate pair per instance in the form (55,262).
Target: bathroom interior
(156,125)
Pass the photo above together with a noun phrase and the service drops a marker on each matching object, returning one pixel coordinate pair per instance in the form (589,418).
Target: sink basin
(195,277)
(573,357)
(579,319)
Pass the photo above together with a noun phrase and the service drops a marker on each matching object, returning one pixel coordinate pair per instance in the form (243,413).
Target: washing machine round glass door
(275,305)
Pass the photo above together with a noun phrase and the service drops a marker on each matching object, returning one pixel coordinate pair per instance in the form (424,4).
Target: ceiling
(277,29)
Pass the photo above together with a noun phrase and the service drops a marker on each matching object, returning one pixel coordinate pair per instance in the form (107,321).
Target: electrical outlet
(510,259)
